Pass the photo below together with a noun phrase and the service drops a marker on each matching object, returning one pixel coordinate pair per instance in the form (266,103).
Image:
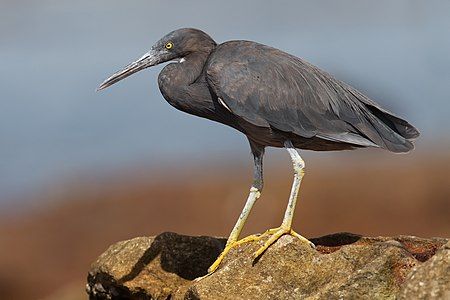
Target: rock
(343,266)
(151,267)
(431,280)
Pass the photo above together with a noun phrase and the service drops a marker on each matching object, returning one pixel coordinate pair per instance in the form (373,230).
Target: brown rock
(343,266)
(431,280)
(151,267)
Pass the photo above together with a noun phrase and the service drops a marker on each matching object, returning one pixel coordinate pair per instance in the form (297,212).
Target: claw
(303,239)
(227,249)
(276,233)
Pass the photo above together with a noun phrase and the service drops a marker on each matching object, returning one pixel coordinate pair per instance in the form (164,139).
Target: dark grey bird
(275,99)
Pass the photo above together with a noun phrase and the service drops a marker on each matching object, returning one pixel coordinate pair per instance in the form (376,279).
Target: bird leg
(286,225)
(255,193)
(233,238)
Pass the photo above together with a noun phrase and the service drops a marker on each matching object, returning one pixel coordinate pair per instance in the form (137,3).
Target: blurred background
(80,170)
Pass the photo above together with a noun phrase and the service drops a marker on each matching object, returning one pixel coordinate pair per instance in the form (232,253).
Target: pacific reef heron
(275,99)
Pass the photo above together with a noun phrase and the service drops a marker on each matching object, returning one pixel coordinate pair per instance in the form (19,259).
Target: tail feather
(397,124)
(394,133)
(383,127)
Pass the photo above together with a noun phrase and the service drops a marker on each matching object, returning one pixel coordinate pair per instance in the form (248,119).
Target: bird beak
(149,59)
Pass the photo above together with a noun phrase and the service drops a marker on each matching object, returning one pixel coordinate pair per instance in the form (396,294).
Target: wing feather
(270,88)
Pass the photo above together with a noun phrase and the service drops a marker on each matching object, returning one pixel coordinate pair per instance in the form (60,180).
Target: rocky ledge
(344,266)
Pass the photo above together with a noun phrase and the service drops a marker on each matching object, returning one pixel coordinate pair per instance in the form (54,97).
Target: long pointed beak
(147,60)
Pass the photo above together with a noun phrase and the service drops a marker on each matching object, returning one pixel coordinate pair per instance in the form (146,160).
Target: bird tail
(387,130)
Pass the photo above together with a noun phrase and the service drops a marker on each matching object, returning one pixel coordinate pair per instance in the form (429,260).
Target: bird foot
(227,249)
(275,234)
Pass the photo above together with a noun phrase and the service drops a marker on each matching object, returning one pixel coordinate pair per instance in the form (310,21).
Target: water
(54,53)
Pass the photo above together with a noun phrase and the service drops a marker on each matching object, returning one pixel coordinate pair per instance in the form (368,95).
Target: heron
(277,100)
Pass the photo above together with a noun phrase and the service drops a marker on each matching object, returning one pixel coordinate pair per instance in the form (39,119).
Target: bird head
(172,47)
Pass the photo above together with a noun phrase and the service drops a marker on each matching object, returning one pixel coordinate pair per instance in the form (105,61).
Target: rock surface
(431,280)
(344,266)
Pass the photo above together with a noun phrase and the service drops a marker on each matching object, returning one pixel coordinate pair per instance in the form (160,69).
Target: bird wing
(270,88)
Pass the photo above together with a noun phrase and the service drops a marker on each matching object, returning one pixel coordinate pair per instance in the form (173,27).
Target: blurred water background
(81,169)
(54,53)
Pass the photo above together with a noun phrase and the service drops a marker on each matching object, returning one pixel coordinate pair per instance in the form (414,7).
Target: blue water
(54,53)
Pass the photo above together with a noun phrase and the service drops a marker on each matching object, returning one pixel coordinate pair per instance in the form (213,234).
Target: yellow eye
(169,45)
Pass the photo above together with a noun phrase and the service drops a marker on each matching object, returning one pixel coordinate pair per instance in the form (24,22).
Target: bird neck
(182,73)
(178,83)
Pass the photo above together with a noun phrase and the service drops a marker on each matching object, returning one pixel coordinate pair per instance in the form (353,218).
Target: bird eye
(169,45)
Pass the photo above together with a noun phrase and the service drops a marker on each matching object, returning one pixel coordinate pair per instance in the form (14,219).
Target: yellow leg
(285,227)
(255,193)
(234,235)
(227,249)
(275,234)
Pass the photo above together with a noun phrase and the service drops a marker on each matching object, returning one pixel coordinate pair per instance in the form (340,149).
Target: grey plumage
(275,99)
(269,95)
(270,88)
